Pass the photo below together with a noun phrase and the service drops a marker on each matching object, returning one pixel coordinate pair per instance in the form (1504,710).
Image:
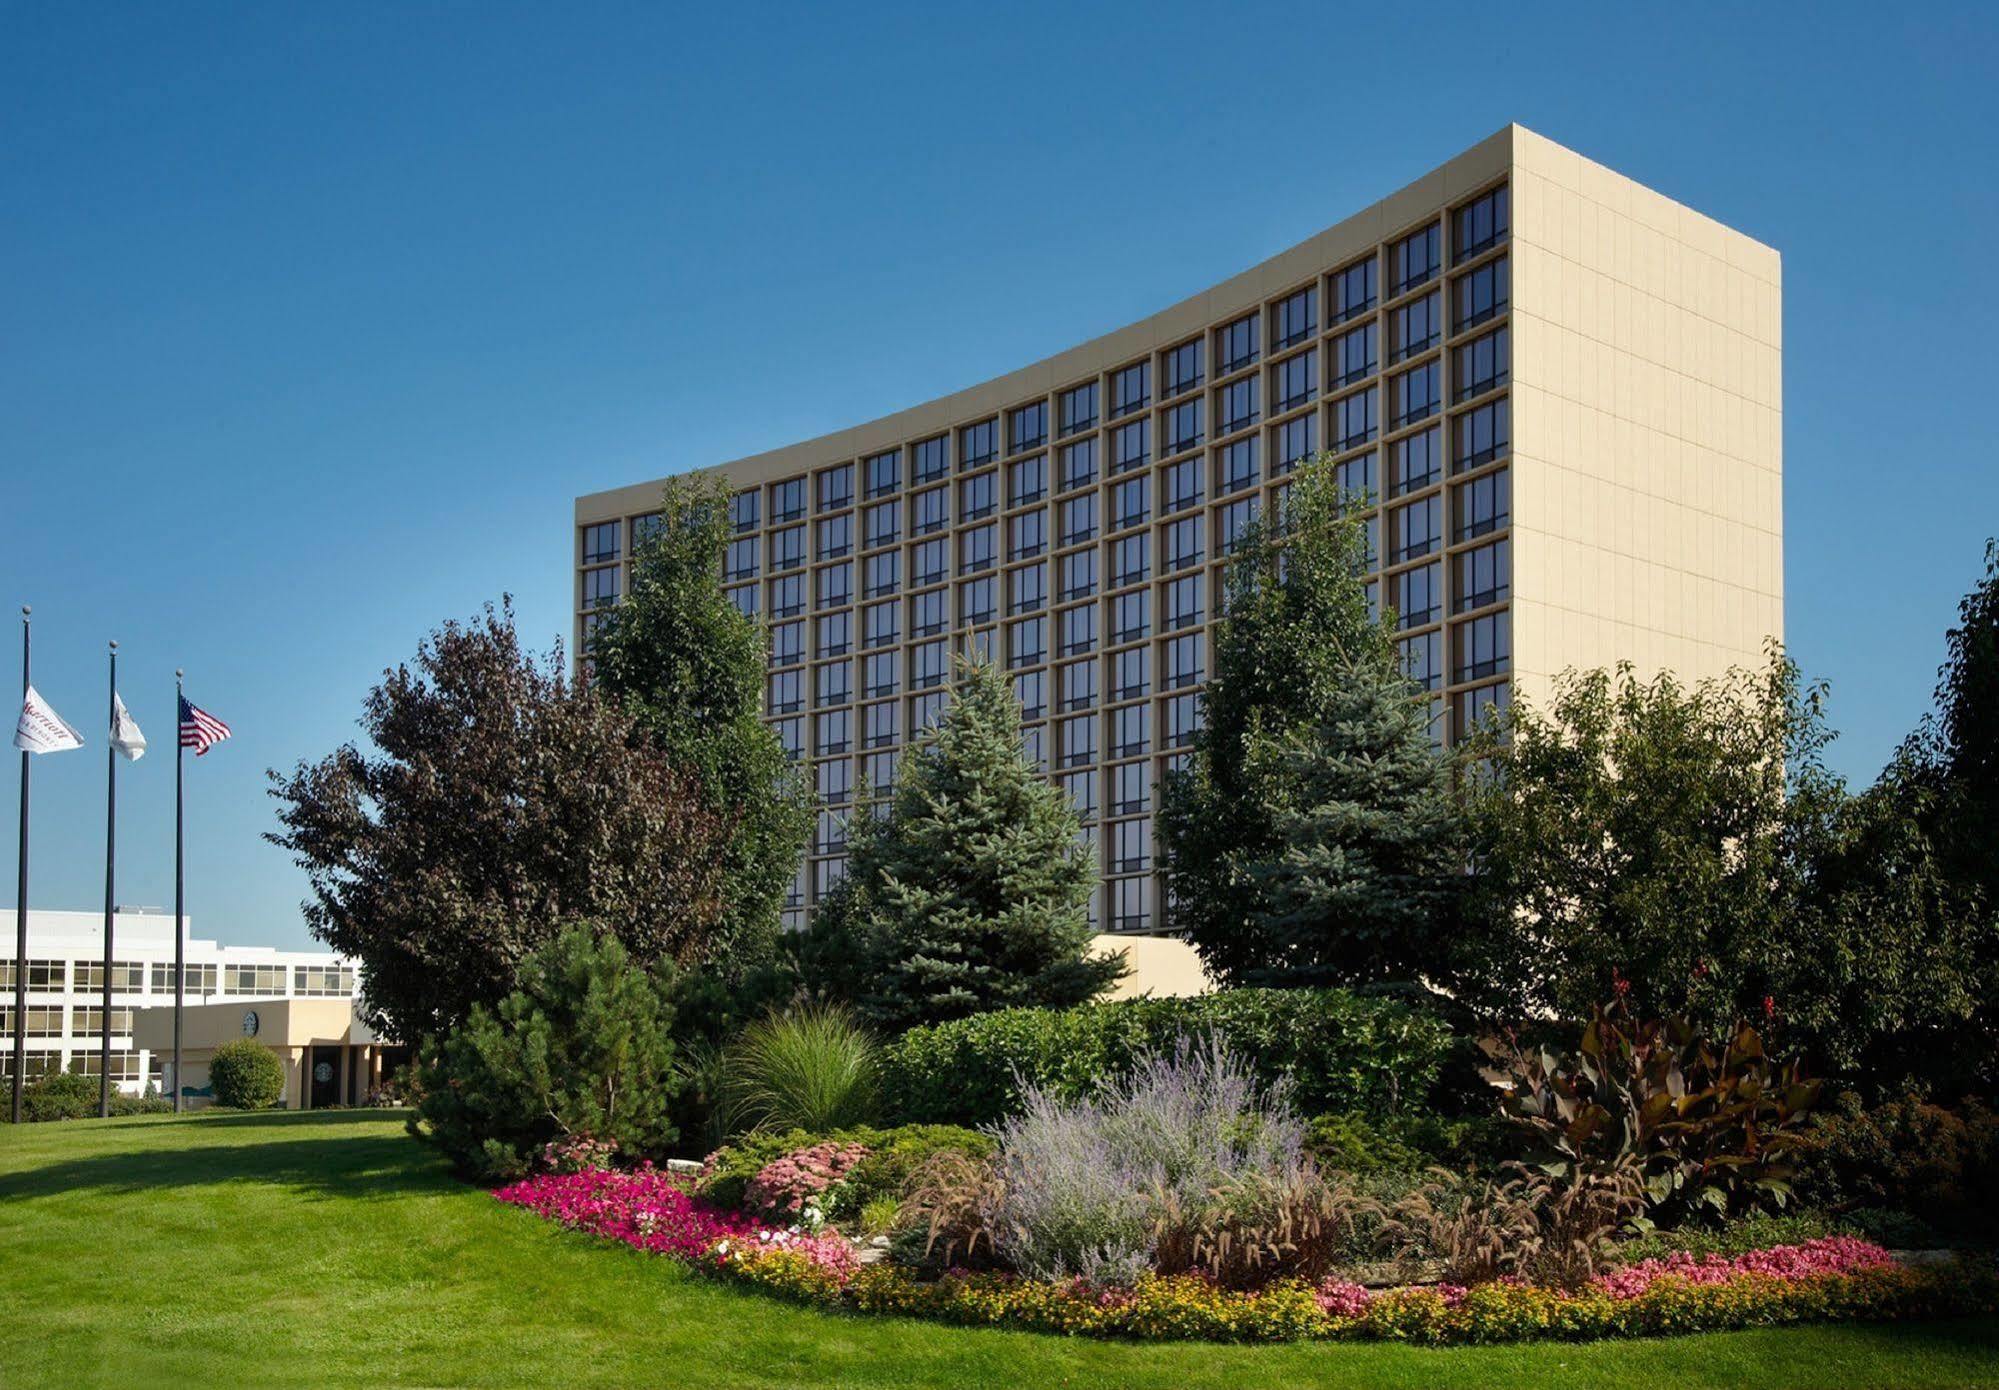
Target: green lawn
(329,1249)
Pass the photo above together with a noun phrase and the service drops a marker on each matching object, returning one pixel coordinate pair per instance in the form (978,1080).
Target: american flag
(198,728)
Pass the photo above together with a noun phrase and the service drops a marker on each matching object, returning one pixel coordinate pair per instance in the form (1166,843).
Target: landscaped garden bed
(1829,1278)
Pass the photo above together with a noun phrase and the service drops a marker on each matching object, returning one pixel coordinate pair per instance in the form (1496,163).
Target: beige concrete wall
(1163,967)
(1647,424)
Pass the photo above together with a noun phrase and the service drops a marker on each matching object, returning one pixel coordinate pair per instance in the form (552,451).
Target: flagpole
(21,902)
(110,878)
(180,905)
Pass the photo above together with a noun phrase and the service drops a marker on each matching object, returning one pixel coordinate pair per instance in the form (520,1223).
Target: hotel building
(66,1022)
(1562,389)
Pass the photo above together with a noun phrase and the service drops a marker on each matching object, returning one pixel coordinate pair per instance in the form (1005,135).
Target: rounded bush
(60,1095)
(246,1075)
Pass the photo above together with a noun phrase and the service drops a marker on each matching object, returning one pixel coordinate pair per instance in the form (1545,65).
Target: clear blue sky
(314,321)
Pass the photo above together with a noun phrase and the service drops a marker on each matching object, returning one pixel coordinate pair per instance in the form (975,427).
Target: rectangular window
(1482,365)
(1482,506)
(1183,720)
(744,598)
(836,784)
(1030,688)
(739,561)
(1235,466)
(1179,485)
(600,542)
(1079,685)
(787,692)
(1130,674)
(930,460)
(1131,846)
(1079,464)
(924,712)
(1027,481)
(836,633)
(1182,603)
(1354,419)
(1416,258)
(1416,529)
(882,524)
(978,444)
(1027,589)
(1027,643)
(1180,545)
(1296,441)
(1481,435)
(1027,535)
(927,562)
(836,488)
(978,496)
(1131,731)
(1484,576)
(1128,504)
(1182,369)
(880,725)
(1416,394)
(927,614)
(834,684)
(1473,708)
(1129,446)
(1480,224)
(1418,595)
(1236,406)
(791,733)
(1078,409)
(884,624)
(879,674)
(1076,741)
(1415,327)
(1355,479)
(1235,345)
(1131,904)
(1415,462)
(1131,616)
(977,602)
(1079,630)
(1422,658)
(884,473)
(1296,319)
(787,548)
(1185,661)
(1079,575)
(1027,427)
(978,549)
(929,511)
(787,596)
(1353,291)
(1294,381)
(600,587)
(836,585)
(836,536)
(834,731)
(1232,524)
(1131,389)
(787,501)
(743,511)
(929,665)
(1081,789)
(1482,647)
(1129,560)
(1180,427)
(1356,355)
(1079,519)
(1481,294)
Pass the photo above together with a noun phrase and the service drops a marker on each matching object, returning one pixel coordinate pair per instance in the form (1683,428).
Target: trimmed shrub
(1339,1051)
(581,1048)
(1909,1155)
(59,1095)
(246,1075)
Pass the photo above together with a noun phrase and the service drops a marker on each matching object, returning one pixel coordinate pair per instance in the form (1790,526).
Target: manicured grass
(329,1249)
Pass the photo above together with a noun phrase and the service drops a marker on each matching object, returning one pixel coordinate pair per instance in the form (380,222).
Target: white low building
(65,1017)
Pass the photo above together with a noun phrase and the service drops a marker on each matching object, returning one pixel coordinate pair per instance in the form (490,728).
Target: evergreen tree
(1311,838)
(690,667)
(971,892)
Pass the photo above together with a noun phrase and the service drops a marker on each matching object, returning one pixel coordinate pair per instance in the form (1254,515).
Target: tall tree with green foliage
(690,666)
(971,892)
(1312,839)
(1688,846)
(1957,747)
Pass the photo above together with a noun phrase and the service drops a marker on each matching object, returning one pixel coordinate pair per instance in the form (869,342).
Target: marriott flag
(41,729)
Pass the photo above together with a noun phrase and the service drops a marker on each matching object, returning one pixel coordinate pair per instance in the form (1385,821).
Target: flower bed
(1833,1278)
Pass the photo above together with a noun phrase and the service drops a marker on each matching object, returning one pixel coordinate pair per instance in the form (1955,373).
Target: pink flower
(1811,1260)
(1342,1299)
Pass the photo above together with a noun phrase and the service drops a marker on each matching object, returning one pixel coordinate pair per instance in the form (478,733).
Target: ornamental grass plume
(809,1067)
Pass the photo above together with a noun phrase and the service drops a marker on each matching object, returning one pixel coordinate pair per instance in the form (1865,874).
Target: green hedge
(1342,1052)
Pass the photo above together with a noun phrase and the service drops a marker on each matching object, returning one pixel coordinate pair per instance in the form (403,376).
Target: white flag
(41,729)
(125,735)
